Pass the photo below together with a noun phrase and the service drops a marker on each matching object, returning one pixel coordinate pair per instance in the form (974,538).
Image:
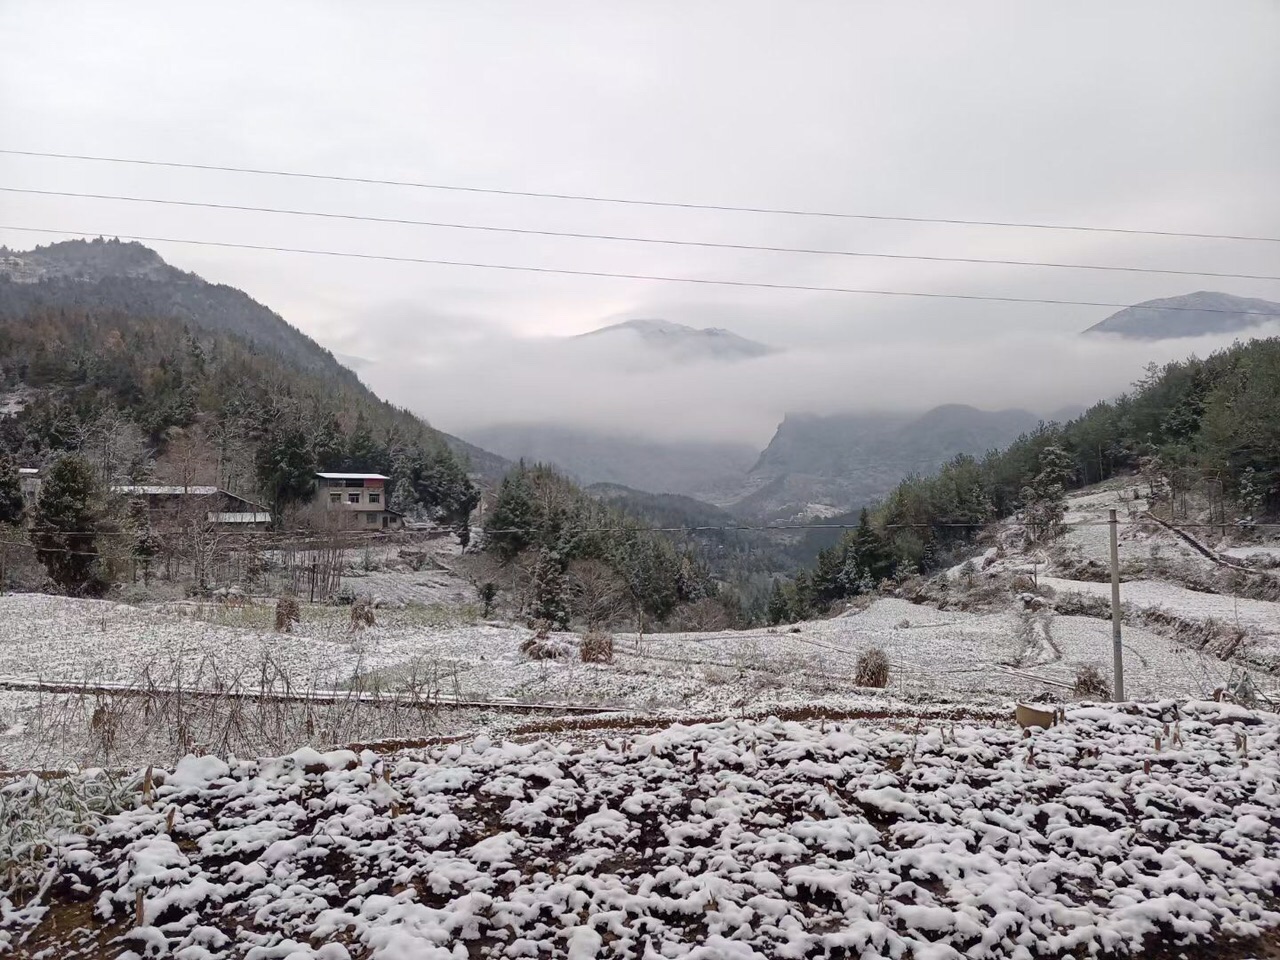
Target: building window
(370,518)
(335,498)
(375,498)
(353,498)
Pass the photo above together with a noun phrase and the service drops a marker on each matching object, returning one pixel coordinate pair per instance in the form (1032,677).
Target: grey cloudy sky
(1161,115)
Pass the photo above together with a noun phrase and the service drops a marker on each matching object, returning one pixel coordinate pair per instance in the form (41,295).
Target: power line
(663,241)
(562,271)
(630,201)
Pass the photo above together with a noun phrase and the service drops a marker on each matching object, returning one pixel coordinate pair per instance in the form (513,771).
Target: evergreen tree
(1044,498)
(779,607)
(442,487)
(328,444)
(871,560)
(547,601)
(801,596)
(12,505)
(364,453)
(65,526)
(285,468)
(512,524)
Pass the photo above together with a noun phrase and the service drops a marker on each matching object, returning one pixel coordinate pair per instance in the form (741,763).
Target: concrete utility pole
(1117,651)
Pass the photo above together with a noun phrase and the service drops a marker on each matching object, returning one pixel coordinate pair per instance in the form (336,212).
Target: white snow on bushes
(743,839)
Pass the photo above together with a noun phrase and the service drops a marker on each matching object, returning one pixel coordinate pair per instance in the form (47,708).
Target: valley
(719,481)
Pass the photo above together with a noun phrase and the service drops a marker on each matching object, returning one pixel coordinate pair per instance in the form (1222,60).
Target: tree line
(1183,425)
(570,557)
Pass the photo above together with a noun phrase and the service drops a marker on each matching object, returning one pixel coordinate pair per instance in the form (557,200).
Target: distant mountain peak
(681,342)
(88,260)
(1196,314)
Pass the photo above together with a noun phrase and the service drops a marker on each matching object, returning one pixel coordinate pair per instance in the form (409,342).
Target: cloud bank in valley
(606,386)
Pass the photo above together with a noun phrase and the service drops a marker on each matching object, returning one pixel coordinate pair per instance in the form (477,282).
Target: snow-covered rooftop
(162,490)
(215,517)
(352,476)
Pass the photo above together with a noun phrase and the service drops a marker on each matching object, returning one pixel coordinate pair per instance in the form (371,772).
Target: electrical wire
(524,268)
(588,198)
(701,244)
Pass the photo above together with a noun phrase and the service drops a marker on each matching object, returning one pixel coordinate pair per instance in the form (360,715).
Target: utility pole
(1117,651)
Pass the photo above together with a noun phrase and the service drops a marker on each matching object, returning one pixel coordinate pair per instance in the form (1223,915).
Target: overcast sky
(1151,115)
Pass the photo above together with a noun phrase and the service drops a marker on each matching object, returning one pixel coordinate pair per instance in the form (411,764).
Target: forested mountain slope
(108,351)
(824,465)
(100,277)
(1191,425)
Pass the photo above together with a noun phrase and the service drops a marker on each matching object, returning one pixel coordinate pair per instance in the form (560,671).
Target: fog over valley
(619,384)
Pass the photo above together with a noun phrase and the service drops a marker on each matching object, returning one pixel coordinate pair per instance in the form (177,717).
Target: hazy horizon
(1156,116)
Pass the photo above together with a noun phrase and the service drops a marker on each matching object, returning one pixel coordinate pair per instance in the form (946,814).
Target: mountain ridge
(688,468)
(1189,315)
(129,277)
(820,465)
(682,342)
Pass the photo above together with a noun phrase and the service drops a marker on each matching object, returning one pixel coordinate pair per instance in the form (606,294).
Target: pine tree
(12,505)
(364,453)
(285,468)
(779,608)
(513,523)
(801,596)
(1044,501)
(65,526)
(547,603)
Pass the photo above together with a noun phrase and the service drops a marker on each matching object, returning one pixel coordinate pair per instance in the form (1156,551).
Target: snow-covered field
(1144,832)
(987,652)
(935,656)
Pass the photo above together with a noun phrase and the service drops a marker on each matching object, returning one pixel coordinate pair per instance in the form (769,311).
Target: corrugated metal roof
(148,490)
(239,517)
(352,476)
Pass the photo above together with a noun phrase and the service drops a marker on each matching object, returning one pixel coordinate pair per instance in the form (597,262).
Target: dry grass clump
(596,647)
(545,647)
(1075,604)
(1091,685)
(872,669)
(1022,583)
(362,614)
(287,614)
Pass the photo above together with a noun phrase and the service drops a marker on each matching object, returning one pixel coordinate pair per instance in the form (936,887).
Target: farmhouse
(359,498)
(171,506)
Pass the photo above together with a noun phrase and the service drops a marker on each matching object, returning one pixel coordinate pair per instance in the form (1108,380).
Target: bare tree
(113,444)
(598,597)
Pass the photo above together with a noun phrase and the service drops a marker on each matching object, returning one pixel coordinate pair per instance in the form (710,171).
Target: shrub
(362,614)
(287,614)
(1022,583)
(1076,604)
(1091,684)
(543,646)
(596,647)
(872,669)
